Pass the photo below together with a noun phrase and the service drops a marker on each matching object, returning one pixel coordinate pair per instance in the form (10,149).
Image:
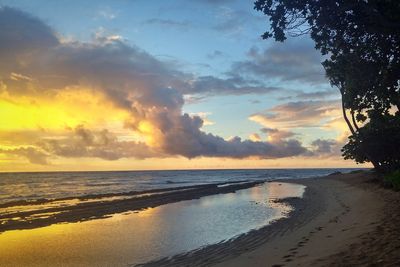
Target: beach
(335,220)
(344,220)
(347,209)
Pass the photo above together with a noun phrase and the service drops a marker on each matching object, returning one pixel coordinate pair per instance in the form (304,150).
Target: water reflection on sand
(131,238)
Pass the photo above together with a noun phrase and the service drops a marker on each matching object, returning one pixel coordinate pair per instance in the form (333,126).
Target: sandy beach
(343,220)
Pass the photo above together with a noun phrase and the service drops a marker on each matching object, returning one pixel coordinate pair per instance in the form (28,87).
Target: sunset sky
(125,85)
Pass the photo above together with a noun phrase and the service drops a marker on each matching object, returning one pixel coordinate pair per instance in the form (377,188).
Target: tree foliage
(361,40)
(379,137)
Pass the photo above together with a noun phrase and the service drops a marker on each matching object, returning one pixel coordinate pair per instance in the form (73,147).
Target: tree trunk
(354,121)
(345,116)
(376,164)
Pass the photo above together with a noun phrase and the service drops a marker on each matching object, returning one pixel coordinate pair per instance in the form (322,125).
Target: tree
(361,40)
(379,137)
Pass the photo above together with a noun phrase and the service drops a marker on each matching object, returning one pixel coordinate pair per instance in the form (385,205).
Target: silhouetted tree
(379,137)
(361,40)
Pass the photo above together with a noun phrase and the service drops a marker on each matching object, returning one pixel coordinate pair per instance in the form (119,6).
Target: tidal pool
(131,238)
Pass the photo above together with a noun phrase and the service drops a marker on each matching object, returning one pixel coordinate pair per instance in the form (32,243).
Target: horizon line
(211,169)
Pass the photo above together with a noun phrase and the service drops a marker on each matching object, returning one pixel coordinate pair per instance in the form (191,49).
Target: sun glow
(148,130)
(60,110)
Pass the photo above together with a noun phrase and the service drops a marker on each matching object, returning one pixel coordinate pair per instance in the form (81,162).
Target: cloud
(230,21)
(210,85)
(327,148)
(317,94)
(235,22)
(299,114)
(33,154)
(187,140)
(291,61)
(275,135)
(283,121)
(215,54)
(312,95)
(321,146)
(180,25)
(108,63)
(83,142)
(31,33)
(215,2)
(36,63)
(106,13)
(255,101)
(204,117)
(255,137)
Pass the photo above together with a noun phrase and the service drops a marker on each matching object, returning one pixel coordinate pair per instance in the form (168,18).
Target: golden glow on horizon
(173,163)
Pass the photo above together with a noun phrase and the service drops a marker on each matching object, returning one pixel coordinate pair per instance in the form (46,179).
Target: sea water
(49,185)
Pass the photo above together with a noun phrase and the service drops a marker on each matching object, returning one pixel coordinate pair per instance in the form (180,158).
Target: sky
(133,85)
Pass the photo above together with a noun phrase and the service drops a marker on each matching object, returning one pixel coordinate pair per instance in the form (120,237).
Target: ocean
(53,185)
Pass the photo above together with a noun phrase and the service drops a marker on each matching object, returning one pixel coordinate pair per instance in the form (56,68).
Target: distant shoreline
(337,223)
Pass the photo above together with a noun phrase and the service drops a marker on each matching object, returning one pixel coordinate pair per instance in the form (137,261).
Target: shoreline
(336,223)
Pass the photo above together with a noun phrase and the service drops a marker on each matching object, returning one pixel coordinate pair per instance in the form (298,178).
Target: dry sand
(352,208)
(343,220)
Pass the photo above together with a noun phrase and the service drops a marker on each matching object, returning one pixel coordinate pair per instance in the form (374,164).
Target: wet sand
(343,220)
